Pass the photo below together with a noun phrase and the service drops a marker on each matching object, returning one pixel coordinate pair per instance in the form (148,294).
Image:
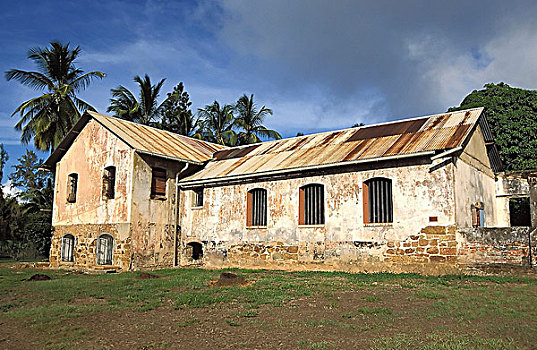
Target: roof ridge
(351,128)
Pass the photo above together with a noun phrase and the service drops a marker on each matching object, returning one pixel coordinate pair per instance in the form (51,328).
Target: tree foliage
(176,114)
(216,124)
(144,109)
(250,120)
(512,115)
(47,118)
(25,219)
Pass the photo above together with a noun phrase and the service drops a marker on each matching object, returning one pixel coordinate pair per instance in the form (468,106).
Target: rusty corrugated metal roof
(159,142)
(143,139)
(405,137)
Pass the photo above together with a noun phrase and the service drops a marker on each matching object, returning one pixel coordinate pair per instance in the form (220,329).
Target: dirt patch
(230,279)
(146,276)
(39,277)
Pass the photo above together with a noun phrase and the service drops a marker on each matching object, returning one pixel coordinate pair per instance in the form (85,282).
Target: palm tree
(145,109)
(216,124)
(47,118)
(250,120)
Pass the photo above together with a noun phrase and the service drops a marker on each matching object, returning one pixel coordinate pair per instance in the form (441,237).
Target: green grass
(441,341)
(498,305)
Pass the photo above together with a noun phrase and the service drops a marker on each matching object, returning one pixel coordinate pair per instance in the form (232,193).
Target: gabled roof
(426,135)
(144,139)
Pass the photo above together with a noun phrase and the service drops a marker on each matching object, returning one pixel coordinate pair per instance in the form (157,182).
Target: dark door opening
(519,211)
(197,250)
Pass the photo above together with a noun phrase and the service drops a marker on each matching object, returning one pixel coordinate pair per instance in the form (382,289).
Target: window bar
(265,208)
(382,200)
(390,202)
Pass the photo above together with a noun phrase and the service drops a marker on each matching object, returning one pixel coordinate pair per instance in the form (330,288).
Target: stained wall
(92,214)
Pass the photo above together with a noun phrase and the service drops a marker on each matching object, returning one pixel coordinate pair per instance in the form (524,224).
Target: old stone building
(408,195)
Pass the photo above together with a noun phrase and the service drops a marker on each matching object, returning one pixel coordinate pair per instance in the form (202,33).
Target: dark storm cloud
(397,58)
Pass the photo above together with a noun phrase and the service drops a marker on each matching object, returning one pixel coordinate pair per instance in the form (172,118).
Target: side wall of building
(153,219)
(419,195)
(474,183)
(92,214)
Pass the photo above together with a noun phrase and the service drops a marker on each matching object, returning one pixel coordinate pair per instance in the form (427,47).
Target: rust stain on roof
(412,136)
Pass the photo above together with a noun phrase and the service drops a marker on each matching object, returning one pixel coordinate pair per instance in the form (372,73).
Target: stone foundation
(85,247)
(433,250)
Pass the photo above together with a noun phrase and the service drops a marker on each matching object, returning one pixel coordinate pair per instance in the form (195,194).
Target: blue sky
(320,65)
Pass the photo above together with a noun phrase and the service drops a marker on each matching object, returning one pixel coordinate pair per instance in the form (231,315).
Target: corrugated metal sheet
(155,141)
(432,133)
(142,138)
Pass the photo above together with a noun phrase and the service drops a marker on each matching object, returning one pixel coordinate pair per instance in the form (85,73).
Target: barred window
(105,248)
(378,202)
(197,197)
(311,205)
(72,183)
(256,207)
(68,247)
(158,183)
(109,182)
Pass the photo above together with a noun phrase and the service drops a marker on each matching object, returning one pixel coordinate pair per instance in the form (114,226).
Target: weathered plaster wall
(94,149)
(508,186)
(220,225)
(474,182)
(153,220)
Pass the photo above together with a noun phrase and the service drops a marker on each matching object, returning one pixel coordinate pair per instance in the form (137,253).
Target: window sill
(256,227)
(379,224)
(310,226)
(158,197)
(196,208)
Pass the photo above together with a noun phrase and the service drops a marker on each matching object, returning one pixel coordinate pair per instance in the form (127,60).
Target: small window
(109,182)
(256,207)
(158,184)
(197,197)
(68,247)
(105,248)
(378,202)
(311,205)
(72,183)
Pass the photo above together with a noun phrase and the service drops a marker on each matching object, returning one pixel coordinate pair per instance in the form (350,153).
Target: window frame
(109,182)
(155,185)
(311,205)
(197,198)
(72,187)
(257,208)
(109,258)
(71,254)
(372,193)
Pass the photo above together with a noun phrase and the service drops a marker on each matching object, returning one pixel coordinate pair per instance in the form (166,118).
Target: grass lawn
(276,310)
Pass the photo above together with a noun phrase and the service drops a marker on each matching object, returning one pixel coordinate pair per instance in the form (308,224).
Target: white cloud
(8,190)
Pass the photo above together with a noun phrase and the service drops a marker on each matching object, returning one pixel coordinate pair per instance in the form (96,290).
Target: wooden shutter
(249,208)
(158,183)
(301,207)
(109,181)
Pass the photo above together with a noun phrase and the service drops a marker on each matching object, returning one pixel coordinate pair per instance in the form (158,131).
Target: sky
(319,65)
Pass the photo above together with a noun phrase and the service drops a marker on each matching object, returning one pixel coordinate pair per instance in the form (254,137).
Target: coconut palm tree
(250,120)
(47,118)
(145,109)
(216,124)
